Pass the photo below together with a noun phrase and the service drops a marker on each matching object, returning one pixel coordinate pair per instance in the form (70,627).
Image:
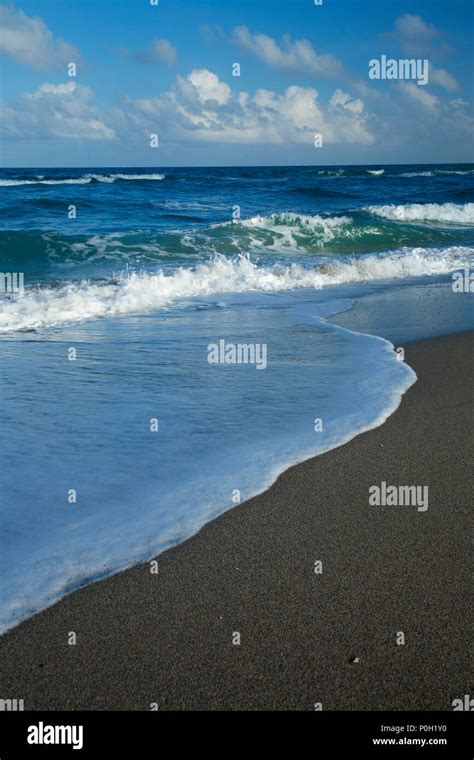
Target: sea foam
(142,292)
(430,212)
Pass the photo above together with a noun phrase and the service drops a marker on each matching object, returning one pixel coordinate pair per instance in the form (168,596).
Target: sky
(234,82)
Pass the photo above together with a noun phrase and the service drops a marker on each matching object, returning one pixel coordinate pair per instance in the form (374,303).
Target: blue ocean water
(140,271)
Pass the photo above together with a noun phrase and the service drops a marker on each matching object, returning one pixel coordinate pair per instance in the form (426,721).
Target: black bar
(153,734)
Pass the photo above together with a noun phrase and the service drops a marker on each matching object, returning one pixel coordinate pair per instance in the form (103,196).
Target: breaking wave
(291,231)
(85,180)
(426,212)
(136,293)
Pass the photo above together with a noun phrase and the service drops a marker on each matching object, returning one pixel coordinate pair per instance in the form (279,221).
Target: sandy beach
(167,638)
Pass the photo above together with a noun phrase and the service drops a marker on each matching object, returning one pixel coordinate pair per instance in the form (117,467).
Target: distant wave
(430,212)
(85,180)
(436,172)
(331,172)
(376,172)
(137,293)
(16,182)
(416,174)
(138,176)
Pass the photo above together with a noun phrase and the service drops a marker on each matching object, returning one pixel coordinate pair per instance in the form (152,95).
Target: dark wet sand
(167,638)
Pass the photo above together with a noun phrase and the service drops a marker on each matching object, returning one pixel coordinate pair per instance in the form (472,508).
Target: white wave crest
(15,182)
(376,172)
(138,293)
(85,180)
(331,172)
(417,174)
(426,212)
(437,172)
(139,176)
(291,231)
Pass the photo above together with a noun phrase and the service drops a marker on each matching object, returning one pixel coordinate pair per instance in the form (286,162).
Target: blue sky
(167,70)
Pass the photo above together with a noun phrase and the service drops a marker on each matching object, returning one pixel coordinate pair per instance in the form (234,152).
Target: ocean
(120,435)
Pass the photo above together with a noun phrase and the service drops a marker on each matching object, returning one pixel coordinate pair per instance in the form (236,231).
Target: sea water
(118,437)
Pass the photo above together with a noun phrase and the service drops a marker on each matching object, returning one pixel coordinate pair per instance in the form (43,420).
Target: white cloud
(28,40)
(410,26)
(417,37)
(52,89)
(64,111)
(340,98)
(208,86)
(444,79)
(292,56)
(202,108)
(420,96)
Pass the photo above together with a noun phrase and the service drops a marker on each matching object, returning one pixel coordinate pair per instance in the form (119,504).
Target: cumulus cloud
(160,50)
(298,55)
(64,111)
(208,86)
(28,40)
(340,98)
(201,107)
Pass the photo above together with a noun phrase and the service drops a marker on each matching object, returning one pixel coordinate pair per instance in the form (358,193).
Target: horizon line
(240,166)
